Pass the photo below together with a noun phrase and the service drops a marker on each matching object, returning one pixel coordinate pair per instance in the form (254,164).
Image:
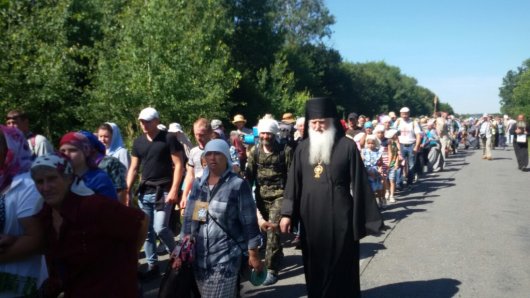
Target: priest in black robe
(328,191)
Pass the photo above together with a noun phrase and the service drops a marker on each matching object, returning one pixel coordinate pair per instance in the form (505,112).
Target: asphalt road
(463,232)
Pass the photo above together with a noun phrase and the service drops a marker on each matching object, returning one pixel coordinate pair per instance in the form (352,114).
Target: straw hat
(288,118)
(239,118)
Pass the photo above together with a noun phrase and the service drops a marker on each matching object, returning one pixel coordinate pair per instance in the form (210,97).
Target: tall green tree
(521,95)
(512,103)
(278,84)
(75,63)
(253,47)
(378,88)
(169,55)
(269,36)
(35,64)
(303,21)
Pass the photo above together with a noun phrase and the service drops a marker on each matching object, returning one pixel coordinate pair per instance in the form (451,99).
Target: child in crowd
(379,132)
(373,161)
(393,161)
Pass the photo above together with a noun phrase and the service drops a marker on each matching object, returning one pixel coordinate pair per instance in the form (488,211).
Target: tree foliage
(169,55)
(378,87)
(36,64)
(73,64)
(303,21)
(515,91)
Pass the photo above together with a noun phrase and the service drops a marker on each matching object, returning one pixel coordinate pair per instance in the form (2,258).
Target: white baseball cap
(175,127)
(404,110)
(216,123)
(148,114)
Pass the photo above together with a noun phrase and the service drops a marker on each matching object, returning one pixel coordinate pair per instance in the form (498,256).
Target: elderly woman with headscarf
(92,243)
(22,270)
(77,147)
(234,159)
(221,218)
(109,134)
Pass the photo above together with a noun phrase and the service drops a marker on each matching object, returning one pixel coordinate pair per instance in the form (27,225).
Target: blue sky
(460,50)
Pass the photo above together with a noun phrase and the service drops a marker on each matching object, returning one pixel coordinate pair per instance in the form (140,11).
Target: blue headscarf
(96,144)
(217,145)
(117,141)
(99,148)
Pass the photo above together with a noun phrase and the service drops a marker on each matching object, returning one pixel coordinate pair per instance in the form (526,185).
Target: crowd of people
(397,151)
(75,219)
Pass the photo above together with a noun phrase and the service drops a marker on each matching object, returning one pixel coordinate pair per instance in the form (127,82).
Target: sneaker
(387,194)
(391,199)
(271,279)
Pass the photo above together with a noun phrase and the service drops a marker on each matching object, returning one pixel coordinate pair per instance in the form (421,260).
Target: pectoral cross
(319,169)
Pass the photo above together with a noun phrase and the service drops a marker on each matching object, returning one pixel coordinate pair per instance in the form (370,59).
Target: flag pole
(435,104)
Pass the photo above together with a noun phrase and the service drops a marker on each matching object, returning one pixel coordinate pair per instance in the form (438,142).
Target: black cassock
(335,211)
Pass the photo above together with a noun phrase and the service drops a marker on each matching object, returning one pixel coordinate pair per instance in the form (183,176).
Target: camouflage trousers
(271,211)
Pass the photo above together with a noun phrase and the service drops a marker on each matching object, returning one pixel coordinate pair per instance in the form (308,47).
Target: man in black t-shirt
(160,156)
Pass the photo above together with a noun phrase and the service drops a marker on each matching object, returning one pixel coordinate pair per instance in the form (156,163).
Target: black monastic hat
(322,107)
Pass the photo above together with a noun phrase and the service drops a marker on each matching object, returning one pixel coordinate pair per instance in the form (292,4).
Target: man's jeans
(407,152)
(502,141)
(158,226)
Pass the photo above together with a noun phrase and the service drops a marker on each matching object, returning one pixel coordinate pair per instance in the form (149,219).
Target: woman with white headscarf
(109,134)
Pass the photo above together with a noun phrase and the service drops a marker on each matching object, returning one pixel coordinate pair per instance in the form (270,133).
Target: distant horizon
(460,50)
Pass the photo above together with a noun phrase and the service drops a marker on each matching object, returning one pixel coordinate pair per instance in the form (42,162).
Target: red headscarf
(18,155)
(82,143)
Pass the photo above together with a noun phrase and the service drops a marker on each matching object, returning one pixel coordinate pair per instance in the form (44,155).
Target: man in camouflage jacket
(267,167)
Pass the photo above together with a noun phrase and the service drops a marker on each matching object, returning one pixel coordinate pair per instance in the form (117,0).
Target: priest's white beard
(320,145)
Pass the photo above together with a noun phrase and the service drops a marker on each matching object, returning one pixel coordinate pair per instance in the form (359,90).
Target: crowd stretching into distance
(75,216)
